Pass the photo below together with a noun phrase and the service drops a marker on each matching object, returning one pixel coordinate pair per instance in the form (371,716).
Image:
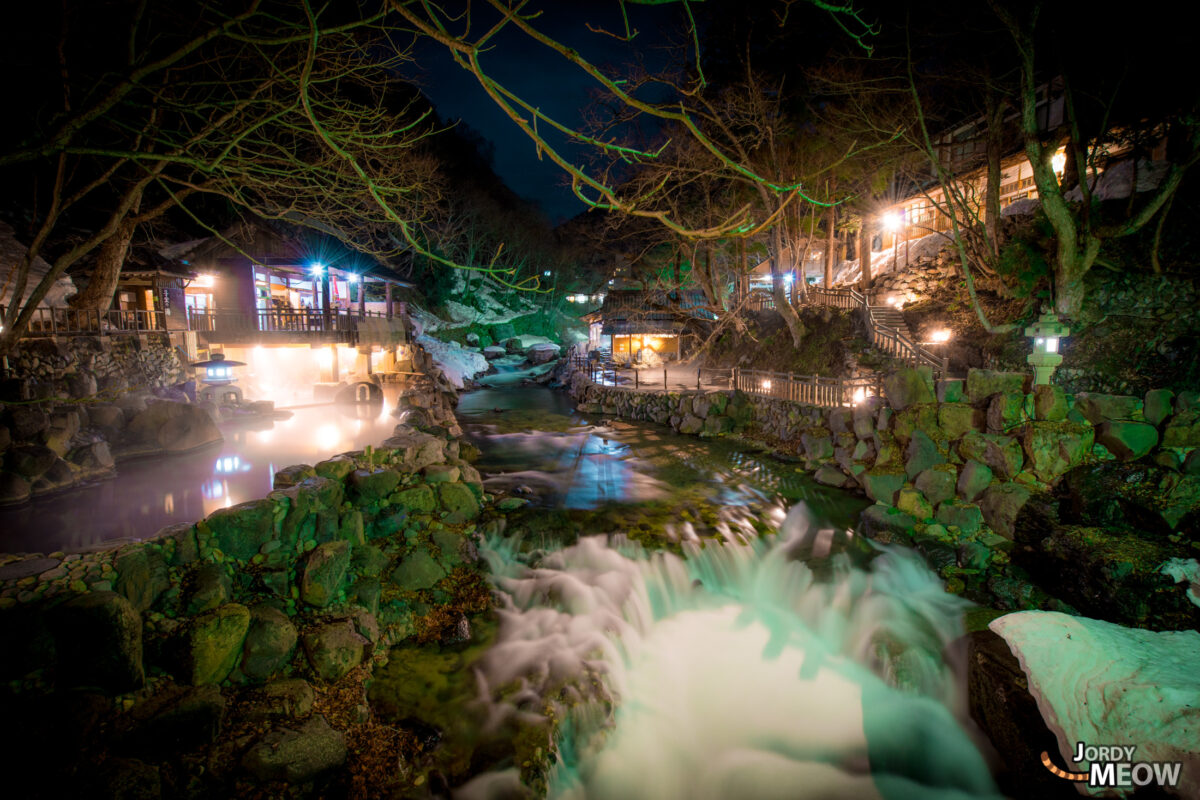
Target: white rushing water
(734,671)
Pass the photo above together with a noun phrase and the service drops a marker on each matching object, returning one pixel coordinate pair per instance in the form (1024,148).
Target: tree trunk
(830,246)
(110,257)
(779,292)
(864,254)
(995,145)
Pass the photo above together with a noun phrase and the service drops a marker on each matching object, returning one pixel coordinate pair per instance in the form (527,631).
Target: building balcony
(338,326)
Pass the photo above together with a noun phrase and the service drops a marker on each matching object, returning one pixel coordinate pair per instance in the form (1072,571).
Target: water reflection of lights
(214,489)
(328,436)
(169,503)
(227,465)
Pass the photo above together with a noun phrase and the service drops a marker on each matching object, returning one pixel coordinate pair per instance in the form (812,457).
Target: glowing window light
(203,281)
(1059,162)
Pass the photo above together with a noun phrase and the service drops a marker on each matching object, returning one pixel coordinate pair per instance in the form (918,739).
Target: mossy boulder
(923,418)
(907,387)
(955,419)
(296,755)
(1182,430)
(717,424)
(1049,403)
(270,642)
(1002,454)
(1052,448)
(324,571)
(333,649)
(416,571)
(374,484)
(1115,575)
(983,383)
(290,476)
(817,446)
(239,531)
(141,575)
(212,643)
(1097,408)
(881,484)
(886,524)
(98,640)
(912,502)
(1127,440)
(921,454)
(1001,503)
(417,499)
(968,517)
(937,483)
(973,478)
(458,501)
(335,469)
(205,587)
(1157,405)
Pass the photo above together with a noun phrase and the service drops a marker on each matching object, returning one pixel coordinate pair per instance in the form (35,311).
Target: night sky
(545,79)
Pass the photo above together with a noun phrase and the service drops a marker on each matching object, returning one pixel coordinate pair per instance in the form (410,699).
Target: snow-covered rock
(456,363)
(542,352)
(525,341)
(1115,182)
(1185,570)
(11,254)
(1105,684)
(494,351)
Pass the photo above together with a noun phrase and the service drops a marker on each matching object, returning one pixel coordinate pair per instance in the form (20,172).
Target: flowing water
(782,657)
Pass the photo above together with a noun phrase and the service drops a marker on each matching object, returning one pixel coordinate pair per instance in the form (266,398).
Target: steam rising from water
(734,671)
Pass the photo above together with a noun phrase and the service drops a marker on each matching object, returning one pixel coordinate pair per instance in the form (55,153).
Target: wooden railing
(838,298)
(305,320)
(891,342)
(808,389)
(71,321)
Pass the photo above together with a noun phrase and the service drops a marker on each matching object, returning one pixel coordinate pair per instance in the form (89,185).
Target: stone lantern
(218,380)
(1045,358)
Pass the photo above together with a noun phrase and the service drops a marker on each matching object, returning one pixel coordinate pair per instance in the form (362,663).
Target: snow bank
(457,364)
(891,259)
(1115,182)
(1102,683)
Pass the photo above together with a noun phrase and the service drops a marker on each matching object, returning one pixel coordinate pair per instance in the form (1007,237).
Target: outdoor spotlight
(891,221)
(766,385)
(317,268)
(940,336)
(1045,357)
(546,274)
(355,277)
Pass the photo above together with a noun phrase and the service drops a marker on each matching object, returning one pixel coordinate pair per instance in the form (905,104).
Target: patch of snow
(12,252)
(1181,570)
(1115,182)
(527,340)
(181,249)
(892,259)
(456,363)
(1102,683)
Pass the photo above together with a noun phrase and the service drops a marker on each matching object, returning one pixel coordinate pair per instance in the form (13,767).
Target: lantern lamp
(1045,358)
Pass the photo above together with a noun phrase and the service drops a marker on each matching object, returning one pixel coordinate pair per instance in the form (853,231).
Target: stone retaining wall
(70,407)
(973,472)
(232,620)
